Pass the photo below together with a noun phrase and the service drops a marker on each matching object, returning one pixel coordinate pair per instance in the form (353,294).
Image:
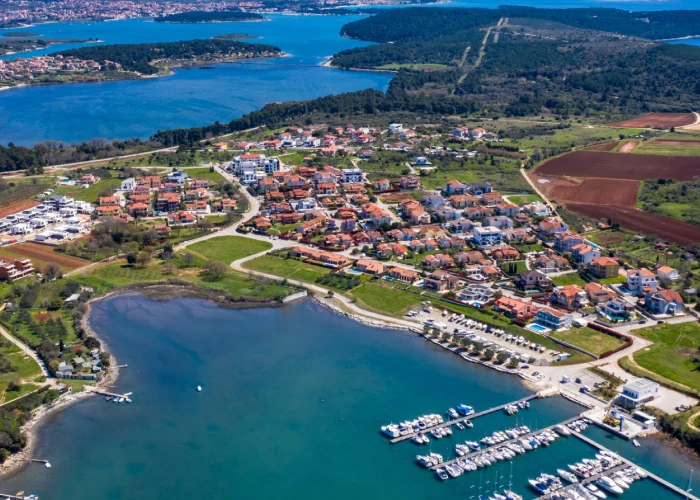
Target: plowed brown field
(46,254)
(616,166)
(658,120)
(592,191)
(18,206)
(669,229)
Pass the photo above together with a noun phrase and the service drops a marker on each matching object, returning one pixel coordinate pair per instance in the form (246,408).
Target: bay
(291,406)
(188,98)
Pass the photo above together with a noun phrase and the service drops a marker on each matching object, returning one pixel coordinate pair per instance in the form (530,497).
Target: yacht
(539,486)
(437,458)
(465,410)
(417,439)
(452,413)
(447,430)
(469,424)
(391,430)
(621,480)
(609,485)
(425,460)
(436,433)
(565,474)
(441,474)
(512,496)
(563,430)
(595,491)
(460,426)
(453,471)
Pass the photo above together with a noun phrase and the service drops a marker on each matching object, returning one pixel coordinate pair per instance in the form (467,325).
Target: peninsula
(198,16)
(127,62)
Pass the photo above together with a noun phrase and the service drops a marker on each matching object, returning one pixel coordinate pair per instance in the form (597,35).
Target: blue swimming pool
(537,328)
(353,271)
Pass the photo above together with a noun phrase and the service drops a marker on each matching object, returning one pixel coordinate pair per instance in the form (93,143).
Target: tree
(131,258)
(216,270)
(187,259)
(502,357)
(514,362)
(143,258)
(52,271)
(488,354)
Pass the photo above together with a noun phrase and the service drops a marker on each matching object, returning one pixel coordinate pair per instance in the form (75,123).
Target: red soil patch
(673,230)
(658,120)
(396,197)
(616,166)
(592,191)
(46,254)
(18,206)
(667,142)
(42,317)
(628,147)
(608,146)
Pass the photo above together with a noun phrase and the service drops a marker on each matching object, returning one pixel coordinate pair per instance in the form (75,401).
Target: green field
(286,268)
(524,199)
(229,248)
(589,340)
(650,148)
(572,278)
(203,173)
(26,370)
(90,194)
(674,354)
(385,299)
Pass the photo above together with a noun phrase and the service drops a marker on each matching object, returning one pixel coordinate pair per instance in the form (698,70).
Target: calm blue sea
(201,96)
(290,408)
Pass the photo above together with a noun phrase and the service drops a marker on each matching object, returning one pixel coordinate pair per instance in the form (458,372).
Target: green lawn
(385,299)
(573,278)
(203,173)
(589,339)
(25,367)
(524,199)
(287,268)
(673,353)
(520,267)
(90,194)
(613,281)
(229,248)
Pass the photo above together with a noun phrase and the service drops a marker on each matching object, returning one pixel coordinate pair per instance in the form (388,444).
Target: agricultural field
(229,248)
(617,166)
(662,120)
(589,340)
(675,354)
(41,255)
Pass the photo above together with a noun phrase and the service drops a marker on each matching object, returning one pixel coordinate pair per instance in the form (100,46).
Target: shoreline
(159,292)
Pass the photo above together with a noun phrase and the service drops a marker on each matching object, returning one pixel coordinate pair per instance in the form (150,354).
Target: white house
(487,236)
(67,212)
(667,274)
(640,279)
(638,392)
(556,320)
(128,184)
(21,229)
(352,175)
(178,176)
(395,128)
(421,160)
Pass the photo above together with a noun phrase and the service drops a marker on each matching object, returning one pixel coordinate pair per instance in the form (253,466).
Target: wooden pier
(462,419)
(683,493)
(585,481)
(504,443)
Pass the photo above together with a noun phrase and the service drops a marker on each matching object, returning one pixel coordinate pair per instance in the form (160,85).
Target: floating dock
(13,497)
(586,481)
(462,419)
(654,477)
(504,443)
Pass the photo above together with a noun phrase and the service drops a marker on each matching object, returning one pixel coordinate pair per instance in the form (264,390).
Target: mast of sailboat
(690,480)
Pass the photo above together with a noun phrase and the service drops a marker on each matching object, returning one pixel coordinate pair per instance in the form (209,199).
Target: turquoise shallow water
(291,406)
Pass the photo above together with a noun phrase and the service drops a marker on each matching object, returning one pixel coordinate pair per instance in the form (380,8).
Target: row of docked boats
(579,425)
(415,426)
(513,409)
(119,399)
(615,482)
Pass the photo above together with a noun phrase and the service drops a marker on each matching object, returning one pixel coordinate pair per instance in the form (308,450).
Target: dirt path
(691,420)
(482,52)
(628,146)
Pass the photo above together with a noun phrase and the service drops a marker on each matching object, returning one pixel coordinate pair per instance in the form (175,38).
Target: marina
(463,419)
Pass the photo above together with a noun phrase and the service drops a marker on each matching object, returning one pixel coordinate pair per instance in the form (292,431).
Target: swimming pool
(353,271)
(537,328)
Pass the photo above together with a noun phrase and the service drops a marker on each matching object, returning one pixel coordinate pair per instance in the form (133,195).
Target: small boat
(48,465)
(636,443)
(460,426)
(469,424)
(108,398)
(441,474)
(128,400)
(563,430)
(539,486)
(199,388)
(452,413)
(465,410)
(391,430)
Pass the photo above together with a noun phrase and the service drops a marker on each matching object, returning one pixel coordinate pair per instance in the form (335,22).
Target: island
(235,36)
(199,16)
(126,62)
(23,42)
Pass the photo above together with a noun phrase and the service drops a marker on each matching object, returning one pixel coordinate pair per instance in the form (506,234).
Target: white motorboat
(391,430)
(563,430)
(609,485)
(441,474)
(565,474)
(425,461)
(594,490)
(199,388)
(452,413)
(460,426)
